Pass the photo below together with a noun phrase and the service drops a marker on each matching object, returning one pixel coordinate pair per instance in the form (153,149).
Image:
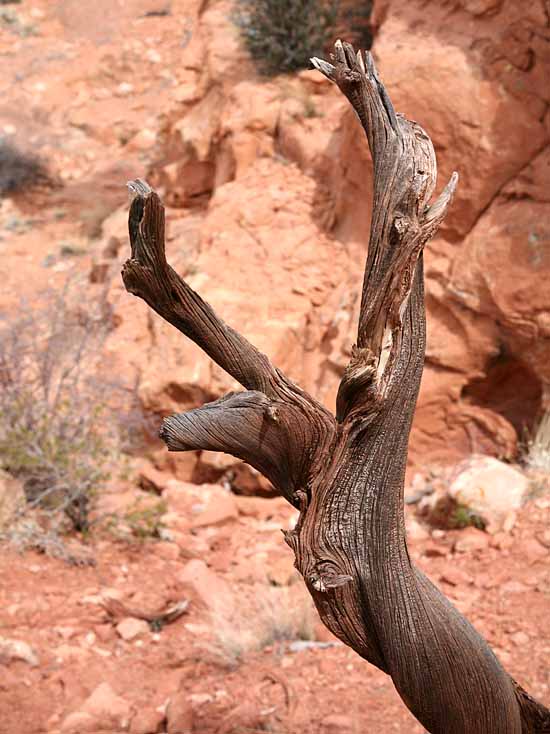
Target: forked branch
(270,435)
(347,476)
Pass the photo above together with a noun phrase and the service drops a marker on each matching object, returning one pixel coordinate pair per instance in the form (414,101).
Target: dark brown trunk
(346,474)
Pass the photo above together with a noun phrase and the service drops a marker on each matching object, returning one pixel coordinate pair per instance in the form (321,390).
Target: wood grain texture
(346,473)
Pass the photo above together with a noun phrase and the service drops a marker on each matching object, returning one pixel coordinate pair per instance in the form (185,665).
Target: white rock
(491,489)
(17,650)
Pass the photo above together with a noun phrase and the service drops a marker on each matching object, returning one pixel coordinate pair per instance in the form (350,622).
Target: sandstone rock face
(471,73)
(268,188)
(491,489)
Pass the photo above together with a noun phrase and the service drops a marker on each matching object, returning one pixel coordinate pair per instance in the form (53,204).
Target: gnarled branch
(275,426)
(271,435)
(347,476)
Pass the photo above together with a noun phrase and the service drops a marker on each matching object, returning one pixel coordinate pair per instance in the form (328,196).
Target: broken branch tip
(139,187)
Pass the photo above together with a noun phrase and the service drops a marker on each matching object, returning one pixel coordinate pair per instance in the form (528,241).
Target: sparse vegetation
(19,171)
(356,19)
(146,522)
(440,510)
(69,249)
(11,21)
(57,427)
(463,517)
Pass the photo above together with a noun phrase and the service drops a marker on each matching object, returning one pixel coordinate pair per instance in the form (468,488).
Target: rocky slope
(248,654)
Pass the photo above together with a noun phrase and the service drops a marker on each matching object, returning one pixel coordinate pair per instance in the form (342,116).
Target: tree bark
(346,473)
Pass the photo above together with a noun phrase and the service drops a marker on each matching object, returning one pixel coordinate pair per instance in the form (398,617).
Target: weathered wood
(346,474)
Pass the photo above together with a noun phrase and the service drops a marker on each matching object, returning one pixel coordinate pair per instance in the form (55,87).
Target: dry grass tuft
(538,448)
(275,615)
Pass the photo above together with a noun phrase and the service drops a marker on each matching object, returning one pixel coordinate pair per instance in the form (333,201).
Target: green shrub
(463,517)
(355,23)
(282,35)
(146,522)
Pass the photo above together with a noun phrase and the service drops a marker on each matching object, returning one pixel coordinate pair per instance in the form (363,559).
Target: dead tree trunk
(346,473)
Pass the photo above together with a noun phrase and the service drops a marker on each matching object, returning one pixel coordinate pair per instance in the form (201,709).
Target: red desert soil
(503,587)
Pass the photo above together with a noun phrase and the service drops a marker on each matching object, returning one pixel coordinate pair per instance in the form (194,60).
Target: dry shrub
(60,419)
(275,614)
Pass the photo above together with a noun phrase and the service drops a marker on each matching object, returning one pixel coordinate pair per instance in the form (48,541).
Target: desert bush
(282,35)
(58,426)
(463,517)
(12,22)
(19,171)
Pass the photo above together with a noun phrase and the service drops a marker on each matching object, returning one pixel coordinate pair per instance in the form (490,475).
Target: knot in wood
(326,575)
